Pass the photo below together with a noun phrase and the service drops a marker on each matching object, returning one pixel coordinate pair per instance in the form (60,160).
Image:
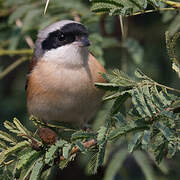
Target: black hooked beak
(84,41)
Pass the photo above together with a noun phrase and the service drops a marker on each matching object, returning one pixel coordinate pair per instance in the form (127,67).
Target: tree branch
(171,3)
(86,144)
(153,10)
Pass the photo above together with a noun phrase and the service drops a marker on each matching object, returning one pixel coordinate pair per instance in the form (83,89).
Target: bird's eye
(61,37)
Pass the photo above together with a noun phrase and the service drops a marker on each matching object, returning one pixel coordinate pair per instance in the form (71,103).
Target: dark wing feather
(32,64)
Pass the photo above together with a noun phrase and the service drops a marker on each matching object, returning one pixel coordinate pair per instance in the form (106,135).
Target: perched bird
(60,83)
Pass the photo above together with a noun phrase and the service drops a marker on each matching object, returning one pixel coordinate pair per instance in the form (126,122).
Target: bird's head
(64,42)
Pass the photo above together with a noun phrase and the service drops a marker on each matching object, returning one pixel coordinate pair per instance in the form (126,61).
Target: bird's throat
(68,55)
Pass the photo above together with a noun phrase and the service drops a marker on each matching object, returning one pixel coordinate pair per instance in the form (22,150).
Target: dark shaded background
(144,47)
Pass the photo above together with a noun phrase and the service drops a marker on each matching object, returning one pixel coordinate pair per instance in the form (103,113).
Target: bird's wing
(96,69)
(32,64)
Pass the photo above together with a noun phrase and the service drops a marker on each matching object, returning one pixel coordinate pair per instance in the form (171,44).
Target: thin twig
(124,33)
(152,10)
(122,27)
(12,66)
(166,87)
(154,83)
(174,6)
(86,144)
(171,3)
(16,52)
(45,9)
(160,85)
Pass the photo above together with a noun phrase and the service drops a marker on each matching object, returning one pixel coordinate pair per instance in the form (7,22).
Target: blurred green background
(143,46)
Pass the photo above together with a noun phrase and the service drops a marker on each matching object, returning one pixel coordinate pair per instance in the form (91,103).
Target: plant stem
(153,10)
(45,9)
(124,33)
(12,67)
(169,88)
(16,52)
(152,82)
(122,26)
(86,144)
(171,3)
(160,85)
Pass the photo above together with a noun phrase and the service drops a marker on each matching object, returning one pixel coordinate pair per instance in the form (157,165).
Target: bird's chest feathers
(56,92)
(64,81)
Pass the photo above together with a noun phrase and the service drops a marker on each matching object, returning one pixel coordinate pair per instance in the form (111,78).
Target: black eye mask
(66,35)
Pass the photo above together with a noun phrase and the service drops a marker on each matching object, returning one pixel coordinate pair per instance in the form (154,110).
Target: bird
(62,75)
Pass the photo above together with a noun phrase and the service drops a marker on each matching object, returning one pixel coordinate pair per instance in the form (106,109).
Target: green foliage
(150,124)
(31,19)
(32,155)
(51,151)
(129,7)
(151,118)
(80,135)
(171,47)
(35,174)
(115,7)
(23,160)
(101,141)
(151,121)
(6,137)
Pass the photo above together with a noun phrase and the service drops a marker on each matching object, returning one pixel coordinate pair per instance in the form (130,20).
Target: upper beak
(84,41)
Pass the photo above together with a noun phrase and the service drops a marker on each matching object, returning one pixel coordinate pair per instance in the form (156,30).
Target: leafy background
(143,45)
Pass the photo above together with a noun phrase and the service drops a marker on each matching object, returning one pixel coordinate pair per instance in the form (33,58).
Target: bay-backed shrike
(60,85)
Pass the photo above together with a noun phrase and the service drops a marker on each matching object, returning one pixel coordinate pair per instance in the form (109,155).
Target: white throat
(68,55)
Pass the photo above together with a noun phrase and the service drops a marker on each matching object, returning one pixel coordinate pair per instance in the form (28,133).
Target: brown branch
(34,143)
(86,144)
(48,136)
